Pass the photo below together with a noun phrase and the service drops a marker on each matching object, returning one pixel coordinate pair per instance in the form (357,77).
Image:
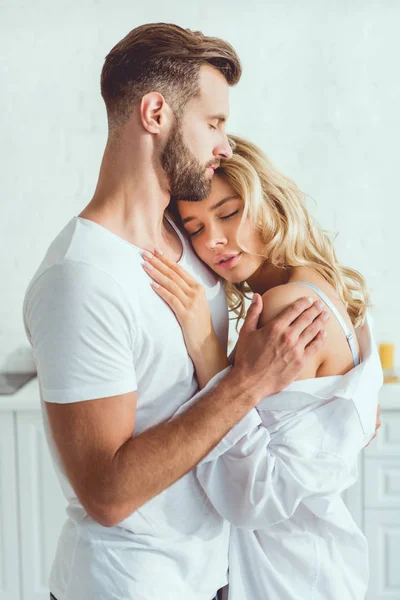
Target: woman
(278,475)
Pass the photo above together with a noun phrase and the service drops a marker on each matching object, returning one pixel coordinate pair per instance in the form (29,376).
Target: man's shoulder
(83,253)
(82,265)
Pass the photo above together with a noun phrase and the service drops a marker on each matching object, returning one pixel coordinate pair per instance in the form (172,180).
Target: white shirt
(98,329)
(278,476)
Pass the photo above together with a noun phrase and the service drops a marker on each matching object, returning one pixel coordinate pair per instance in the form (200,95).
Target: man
(112,363)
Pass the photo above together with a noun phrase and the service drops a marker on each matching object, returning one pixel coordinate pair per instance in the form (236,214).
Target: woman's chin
(232,277)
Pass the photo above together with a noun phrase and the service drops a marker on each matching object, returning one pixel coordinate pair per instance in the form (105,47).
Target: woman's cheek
(201,252)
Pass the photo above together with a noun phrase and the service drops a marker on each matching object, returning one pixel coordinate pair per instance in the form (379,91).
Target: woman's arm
(255,479)
(187,298)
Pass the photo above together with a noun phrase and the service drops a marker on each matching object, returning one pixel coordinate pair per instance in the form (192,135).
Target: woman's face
(213,227)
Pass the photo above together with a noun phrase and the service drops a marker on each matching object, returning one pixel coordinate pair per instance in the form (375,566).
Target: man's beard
(187,177)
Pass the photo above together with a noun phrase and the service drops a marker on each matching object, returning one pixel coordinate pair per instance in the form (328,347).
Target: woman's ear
(154,112)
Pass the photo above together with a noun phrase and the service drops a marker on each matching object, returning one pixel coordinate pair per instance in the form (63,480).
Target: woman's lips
(231,262)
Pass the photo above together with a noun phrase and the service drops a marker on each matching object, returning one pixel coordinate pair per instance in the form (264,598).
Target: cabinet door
(382,529)
(9,534)
(382,483)
(42,506)
(387,442)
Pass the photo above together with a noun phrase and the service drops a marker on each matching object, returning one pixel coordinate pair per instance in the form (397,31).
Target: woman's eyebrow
(221,202)
(213,207)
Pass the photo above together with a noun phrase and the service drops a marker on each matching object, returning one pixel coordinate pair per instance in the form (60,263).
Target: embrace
(187,471)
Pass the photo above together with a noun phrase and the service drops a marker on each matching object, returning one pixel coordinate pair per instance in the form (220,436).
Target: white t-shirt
(280,484)
(98,329)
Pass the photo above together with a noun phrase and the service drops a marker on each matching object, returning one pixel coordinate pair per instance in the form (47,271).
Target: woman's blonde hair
(275,206)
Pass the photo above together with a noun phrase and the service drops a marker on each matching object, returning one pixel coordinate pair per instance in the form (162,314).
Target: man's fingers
(301,306)
(253,314)
(308,316)
(312,330)
(315,345)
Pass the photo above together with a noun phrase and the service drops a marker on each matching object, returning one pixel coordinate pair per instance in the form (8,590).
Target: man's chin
(192,196)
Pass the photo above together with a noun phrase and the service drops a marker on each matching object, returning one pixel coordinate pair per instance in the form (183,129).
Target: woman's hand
(187,298)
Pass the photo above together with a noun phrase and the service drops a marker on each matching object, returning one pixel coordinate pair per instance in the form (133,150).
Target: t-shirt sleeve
(81,329)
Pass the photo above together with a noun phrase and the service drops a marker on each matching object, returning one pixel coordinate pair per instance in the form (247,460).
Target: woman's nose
(216,240)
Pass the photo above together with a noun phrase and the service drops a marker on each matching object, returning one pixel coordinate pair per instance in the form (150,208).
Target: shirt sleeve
(260,479)
(80,326)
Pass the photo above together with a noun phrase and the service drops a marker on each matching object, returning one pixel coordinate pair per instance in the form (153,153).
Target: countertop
(27,398)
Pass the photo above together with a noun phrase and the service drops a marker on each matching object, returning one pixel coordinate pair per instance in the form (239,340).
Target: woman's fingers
(172,301)
(167,268)
(175,267)
(166,281)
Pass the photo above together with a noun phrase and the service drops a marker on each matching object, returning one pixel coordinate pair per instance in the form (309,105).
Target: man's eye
(195,232)
(231,215)
(213,127)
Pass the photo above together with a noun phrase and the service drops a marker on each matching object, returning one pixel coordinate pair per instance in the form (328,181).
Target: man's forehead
(214,92)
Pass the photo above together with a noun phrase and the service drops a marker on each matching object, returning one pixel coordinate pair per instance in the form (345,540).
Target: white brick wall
(320,93)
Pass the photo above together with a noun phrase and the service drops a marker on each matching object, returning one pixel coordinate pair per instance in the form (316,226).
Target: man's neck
(130,200)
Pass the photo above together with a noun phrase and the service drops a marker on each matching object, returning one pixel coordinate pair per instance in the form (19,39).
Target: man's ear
(154,112)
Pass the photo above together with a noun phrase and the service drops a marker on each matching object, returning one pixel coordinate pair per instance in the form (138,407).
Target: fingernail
(311,300)
(147,254)
(320,305)
(324,334)
(254,299)
(325,316)
(157,251)
(147,265)
(154,284)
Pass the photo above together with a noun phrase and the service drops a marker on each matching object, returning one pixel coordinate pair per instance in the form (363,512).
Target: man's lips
(226,261)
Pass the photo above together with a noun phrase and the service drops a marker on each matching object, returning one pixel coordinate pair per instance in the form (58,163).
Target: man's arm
(114,474)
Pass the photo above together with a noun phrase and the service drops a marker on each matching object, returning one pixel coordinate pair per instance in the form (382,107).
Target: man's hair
(164,58)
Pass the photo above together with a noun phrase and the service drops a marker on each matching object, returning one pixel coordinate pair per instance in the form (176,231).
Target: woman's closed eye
(224,217)
(193,233)
(230,215)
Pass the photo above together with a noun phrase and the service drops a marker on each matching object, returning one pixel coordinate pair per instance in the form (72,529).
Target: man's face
(198,143)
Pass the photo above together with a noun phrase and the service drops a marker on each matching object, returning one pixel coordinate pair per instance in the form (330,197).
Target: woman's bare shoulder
(280,297)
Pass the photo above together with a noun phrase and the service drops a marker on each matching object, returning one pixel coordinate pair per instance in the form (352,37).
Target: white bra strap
(329,303)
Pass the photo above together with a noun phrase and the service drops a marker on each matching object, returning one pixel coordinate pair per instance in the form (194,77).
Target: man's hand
(270,358)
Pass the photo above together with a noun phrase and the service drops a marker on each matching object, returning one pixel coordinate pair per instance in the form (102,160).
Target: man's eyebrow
(220,117)
(213,207)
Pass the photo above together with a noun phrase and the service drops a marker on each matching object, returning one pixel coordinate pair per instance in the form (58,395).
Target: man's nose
(224,150)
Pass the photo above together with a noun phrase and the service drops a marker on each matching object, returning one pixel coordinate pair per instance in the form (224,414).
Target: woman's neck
(268,276)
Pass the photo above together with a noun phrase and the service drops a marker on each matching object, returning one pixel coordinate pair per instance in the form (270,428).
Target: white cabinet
(9,531)
(382,528)
(381,501)
(42,506)
(32,507)
(375,500)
